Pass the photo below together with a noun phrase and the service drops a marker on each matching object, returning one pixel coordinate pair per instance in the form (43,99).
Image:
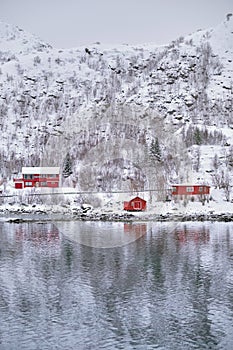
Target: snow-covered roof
(40,170)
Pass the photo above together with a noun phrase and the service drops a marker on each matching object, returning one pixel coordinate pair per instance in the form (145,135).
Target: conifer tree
(197,137)
(155,151)
(67,166)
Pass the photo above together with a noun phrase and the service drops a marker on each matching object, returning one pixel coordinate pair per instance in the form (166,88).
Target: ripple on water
(166,290)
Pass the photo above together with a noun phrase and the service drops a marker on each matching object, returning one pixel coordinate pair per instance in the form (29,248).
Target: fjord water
(167,289)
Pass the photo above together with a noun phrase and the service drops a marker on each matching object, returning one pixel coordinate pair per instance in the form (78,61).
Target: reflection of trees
(155,291)
(162,286)
(28,260)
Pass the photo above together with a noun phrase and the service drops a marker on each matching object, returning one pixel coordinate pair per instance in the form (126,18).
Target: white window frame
(189,189)
(28,176)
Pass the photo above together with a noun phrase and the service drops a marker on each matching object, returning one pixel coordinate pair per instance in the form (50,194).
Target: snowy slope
(106,105)
(15,40)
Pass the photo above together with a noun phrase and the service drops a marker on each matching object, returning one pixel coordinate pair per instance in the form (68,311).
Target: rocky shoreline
(155,217)
(24,214)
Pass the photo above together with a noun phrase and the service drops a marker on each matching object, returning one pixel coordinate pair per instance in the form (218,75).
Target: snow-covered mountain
(14,41)
(126,117)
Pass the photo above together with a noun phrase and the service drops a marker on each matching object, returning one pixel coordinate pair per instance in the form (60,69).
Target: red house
(38,177)
(190,190)
(136,204)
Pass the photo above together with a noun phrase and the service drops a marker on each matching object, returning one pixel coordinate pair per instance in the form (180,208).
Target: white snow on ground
(31,54)
(67,202)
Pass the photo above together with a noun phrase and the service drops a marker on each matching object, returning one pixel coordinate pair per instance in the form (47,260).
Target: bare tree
(226,185)
(197,160)
(215,162)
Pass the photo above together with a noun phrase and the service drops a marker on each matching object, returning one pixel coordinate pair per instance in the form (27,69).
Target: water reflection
(136,229)
(187,233)
(37,233)
(162,291)
(102,234)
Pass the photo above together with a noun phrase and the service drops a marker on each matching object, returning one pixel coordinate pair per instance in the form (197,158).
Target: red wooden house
(38,177)
(135,204)
(190,190)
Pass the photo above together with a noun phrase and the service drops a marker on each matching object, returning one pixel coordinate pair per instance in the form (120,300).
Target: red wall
(18,185)
(183,190)
(38,182)
(136,204)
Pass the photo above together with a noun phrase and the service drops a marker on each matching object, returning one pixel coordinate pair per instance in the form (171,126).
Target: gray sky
(70,23)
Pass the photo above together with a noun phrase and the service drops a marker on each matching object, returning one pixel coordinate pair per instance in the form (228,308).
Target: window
(201,189)
(174,189)
(43,184)
(189,189)
(28,183)
(28,176)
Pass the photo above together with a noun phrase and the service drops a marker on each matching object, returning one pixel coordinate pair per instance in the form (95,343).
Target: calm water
(167,289)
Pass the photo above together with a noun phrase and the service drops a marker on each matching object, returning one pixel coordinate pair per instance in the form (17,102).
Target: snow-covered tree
(216,162)
(67,166)
(155,150)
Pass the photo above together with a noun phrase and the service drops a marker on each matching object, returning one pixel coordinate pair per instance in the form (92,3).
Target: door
(137,205)
(18,185)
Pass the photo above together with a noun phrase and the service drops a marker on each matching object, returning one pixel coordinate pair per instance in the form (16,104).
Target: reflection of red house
(190,234)
(138,229)
(37,234)
(136,204)
(190,190)
(38,177)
